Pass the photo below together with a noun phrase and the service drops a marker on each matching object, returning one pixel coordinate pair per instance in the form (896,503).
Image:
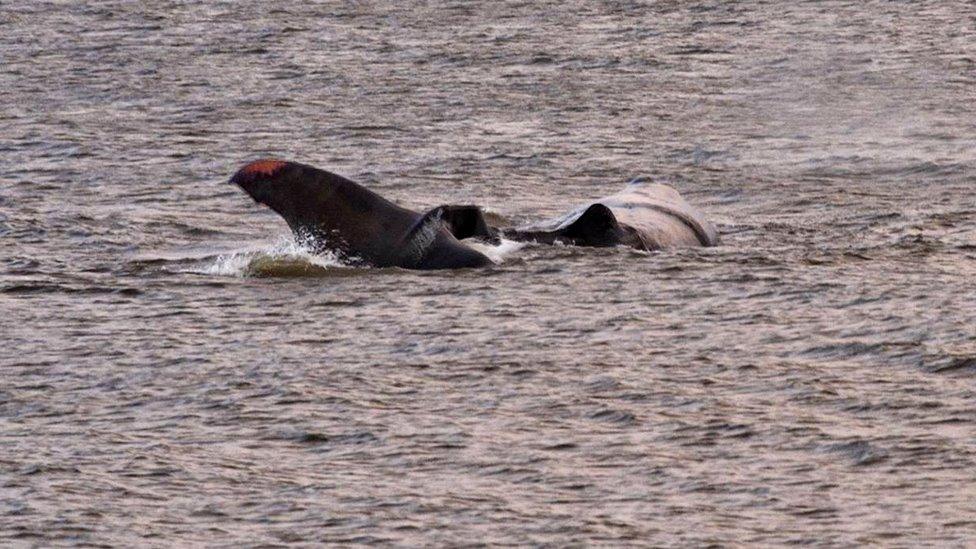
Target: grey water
(176,372)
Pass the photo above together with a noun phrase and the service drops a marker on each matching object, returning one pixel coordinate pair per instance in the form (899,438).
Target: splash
(283,258)
(287,258)
(496,253)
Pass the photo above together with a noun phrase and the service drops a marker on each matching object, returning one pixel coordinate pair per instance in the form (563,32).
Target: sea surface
(176,371)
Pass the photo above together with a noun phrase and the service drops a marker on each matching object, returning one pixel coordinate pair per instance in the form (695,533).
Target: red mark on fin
(266,167)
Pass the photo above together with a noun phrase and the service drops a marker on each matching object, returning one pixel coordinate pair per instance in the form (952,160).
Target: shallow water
(808,381)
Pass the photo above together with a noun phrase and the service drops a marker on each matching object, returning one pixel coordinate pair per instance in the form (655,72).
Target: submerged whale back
(648,216)
(662,217)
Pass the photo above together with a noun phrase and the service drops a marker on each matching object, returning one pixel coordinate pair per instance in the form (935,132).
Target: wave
(283,258)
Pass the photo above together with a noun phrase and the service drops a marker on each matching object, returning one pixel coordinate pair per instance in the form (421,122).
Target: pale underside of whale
(659,216)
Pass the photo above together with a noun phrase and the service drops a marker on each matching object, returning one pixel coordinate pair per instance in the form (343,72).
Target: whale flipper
(333,213)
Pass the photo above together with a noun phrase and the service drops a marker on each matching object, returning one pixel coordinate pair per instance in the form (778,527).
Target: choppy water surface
(176,371)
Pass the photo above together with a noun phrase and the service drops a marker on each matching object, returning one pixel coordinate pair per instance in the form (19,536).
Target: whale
(644,216)
(328,212)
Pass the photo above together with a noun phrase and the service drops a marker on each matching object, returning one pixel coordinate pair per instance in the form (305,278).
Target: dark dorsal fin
(466,222)
(597,226)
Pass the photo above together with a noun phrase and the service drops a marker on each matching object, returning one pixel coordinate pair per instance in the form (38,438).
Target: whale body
(329,212)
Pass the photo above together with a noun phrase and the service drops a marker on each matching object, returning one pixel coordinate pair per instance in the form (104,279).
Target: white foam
(496,254)
(238,263)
